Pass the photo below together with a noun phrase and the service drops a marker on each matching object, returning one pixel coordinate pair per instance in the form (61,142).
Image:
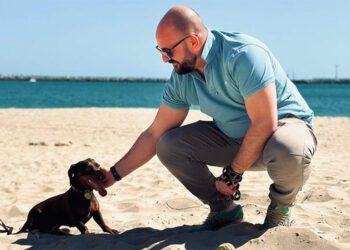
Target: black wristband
(230,176)
(115,174)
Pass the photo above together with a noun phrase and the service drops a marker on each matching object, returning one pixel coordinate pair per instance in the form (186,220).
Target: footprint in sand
(316,195)
(61,144)
(46,188)
(42,143)
(14,211)
(182,204)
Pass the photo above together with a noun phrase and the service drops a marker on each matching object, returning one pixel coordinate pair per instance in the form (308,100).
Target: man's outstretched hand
(109,179)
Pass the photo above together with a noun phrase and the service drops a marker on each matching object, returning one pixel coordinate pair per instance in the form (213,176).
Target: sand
(150,208)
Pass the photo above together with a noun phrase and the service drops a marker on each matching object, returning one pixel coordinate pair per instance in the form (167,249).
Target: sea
(324,99)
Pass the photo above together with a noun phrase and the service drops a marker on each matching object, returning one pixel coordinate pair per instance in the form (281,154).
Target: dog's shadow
(150,238)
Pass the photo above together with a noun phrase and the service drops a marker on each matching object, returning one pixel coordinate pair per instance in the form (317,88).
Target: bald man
(259,119)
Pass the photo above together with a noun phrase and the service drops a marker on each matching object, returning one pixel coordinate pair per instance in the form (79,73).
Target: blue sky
(117,38)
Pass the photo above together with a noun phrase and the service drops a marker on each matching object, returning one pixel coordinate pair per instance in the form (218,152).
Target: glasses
(167,52)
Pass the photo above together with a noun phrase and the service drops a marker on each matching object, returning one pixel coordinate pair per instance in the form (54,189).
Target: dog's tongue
(98,187)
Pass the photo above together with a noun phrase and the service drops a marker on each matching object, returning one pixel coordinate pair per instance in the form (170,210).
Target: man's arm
(262,111)
(144,147)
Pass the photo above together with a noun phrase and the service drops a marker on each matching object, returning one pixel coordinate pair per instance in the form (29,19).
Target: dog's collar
(87,193)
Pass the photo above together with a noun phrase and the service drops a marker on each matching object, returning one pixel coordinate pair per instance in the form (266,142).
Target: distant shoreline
(34,78)
(81,79)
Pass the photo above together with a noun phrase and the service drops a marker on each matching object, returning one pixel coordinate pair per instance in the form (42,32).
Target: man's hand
(223,188)
(109,179)
(228,183)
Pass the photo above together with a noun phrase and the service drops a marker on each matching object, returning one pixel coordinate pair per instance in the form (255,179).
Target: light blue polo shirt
(238,66)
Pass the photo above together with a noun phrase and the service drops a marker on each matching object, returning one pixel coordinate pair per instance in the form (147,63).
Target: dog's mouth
(92,182)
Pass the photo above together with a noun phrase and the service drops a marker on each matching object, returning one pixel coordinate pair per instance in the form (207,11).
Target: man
(259,117)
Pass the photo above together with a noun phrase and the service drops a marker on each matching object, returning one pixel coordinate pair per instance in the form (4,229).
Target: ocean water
(324,99)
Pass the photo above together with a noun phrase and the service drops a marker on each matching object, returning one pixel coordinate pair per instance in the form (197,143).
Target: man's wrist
(231,176)
(237,168)
(115,174)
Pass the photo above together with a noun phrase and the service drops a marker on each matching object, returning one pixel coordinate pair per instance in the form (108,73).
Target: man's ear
(195,43)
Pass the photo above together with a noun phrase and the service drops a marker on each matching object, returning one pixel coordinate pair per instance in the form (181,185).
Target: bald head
(181,36)
(180,20)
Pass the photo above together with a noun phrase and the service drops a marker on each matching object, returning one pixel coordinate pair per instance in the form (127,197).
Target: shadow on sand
(187,236)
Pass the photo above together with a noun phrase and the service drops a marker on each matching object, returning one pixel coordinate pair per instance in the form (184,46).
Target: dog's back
(48,214)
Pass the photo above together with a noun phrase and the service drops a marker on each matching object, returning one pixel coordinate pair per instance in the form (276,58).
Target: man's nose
(165,58)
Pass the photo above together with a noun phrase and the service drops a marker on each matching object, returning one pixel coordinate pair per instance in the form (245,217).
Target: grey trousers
(186,151)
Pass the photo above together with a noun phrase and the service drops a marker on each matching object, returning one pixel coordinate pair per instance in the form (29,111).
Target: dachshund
(73,208)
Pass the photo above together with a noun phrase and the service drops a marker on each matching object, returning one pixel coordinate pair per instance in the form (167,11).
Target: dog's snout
(100,175)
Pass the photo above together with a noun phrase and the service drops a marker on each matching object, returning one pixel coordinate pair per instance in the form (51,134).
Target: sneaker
(277,216)
(216,220)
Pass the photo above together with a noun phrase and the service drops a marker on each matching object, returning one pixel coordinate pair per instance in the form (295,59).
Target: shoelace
(277,217)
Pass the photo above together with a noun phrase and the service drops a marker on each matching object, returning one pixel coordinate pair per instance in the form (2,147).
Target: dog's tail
(25,227)
(7,229)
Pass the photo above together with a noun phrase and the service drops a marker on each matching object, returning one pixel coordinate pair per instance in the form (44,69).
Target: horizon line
(21,77)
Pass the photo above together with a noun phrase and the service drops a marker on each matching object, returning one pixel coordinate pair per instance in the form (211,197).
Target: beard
(187,66)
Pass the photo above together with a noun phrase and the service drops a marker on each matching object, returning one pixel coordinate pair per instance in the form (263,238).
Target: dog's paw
(111,231)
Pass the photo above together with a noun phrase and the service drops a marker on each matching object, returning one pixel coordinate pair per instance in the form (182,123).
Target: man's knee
(287,153)
(284,165)
(167,148)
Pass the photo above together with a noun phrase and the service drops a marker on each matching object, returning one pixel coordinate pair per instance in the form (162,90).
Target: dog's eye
(88,171)
(101,176)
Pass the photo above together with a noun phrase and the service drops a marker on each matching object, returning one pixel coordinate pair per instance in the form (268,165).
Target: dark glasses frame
(167,51)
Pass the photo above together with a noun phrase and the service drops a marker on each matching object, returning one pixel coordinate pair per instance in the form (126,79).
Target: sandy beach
(150,208)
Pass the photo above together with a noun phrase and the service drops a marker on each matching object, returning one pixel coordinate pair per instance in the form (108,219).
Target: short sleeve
(252,70)
(172,94)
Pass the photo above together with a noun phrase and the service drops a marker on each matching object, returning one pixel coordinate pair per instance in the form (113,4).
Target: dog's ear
(71,174)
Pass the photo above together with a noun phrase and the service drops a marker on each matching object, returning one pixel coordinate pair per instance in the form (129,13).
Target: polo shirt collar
(209,48)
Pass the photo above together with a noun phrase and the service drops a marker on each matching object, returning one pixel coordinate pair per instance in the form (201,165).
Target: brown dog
(73,208)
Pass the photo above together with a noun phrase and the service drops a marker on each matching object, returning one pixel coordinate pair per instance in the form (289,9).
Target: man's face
(187,65)
(177,53)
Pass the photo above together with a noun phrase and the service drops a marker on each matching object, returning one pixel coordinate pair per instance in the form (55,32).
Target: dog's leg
(82,228)
(99,220)
(58,231)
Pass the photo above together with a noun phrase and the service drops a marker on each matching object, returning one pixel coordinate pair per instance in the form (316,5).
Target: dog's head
(87,175)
